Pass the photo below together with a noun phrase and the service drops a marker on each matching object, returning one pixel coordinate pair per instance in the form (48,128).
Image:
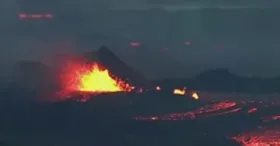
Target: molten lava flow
(179,91)
(92,78)
(216,109)
(266,136)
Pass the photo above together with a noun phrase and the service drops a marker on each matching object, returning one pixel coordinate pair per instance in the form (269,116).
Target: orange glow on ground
(263,136)
(215,109)
(134,44)
(252,110)
(92,78)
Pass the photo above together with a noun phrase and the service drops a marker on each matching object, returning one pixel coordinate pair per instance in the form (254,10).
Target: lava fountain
(92,78)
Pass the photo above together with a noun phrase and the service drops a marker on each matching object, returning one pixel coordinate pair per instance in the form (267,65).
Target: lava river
(264,131)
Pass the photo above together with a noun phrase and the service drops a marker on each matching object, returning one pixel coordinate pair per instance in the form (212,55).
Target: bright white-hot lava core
(92,78)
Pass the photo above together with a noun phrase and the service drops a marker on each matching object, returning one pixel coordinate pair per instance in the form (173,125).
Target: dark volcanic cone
(117,67)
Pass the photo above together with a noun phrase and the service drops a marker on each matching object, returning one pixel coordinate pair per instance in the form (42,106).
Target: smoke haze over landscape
(243,40)
(99,72)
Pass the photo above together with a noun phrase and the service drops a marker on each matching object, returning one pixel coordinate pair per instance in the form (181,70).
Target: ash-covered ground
(140,119)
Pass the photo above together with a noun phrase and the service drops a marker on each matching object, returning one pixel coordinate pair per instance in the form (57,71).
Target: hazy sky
(237,37)
(89,5)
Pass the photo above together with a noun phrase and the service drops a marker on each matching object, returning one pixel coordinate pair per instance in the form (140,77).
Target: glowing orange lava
(195,96)
(92,78)
(179,91)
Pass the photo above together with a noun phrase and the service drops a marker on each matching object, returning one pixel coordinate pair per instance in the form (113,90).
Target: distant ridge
(33,74)
(222,80)
(221,73)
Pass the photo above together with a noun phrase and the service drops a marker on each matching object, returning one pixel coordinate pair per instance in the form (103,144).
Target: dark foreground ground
(151,119)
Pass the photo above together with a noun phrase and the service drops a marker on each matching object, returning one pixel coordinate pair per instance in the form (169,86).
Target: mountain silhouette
(116,66)
(33,74)
(222,80)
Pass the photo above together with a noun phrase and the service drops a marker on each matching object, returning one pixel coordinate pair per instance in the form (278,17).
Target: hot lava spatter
(87,79)
(92,78)
(179,91)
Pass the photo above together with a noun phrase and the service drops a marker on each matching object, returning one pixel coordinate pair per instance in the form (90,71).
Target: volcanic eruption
(91,78)
(99,72)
